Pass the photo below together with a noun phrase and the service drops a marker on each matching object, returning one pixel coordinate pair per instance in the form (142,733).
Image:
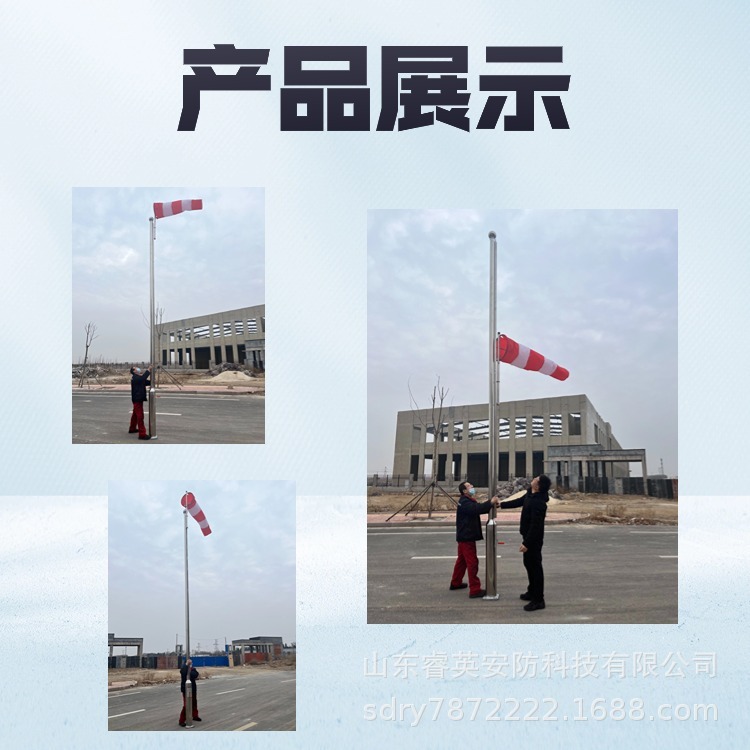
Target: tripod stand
(412,504)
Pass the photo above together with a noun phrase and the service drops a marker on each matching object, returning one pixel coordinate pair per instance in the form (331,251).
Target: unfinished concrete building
(564,437)
(235,336)
(258,648)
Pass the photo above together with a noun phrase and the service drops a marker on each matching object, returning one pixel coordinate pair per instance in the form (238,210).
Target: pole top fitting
(492,235)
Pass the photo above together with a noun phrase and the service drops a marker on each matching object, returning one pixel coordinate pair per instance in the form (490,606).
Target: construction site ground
(232,381)
(570,507)
(120,679)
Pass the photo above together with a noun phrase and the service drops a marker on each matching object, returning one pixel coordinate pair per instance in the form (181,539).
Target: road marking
(246,726)
(396,532)
(123,695)
(201,398)
(236,690)
(167,414)
(405,533)
(117,716)
(444,557)
(292,680)
(667,557)
(653,532)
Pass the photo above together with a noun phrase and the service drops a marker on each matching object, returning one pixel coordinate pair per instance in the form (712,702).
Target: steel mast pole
(188,683)
(152,349)
(491,527)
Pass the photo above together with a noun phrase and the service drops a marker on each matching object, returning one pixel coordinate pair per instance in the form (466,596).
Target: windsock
(188,501)
(176,207)
(521,356)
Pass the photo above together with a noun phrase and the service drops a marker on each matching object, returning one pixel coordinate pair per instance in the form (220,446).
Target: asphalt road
(256,702)
(180,418)
(593,574)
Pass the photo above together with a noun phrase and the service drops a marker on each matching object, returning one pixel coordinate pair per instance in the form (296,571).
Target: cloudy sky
(595,291)
(205,261)
(242,575)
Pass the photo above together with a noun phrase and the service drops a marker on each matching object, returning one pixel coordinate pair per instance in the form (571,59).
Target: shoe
(182,723)
(197,718)
(531,606)
(144,437)
(460,586)
(479,594)
(131,431)
(526,597)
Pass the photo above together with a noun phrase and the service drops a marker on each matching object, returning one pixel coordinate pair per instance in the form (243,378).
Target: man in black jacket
(188,667)
(532,532)
(468,533)
(139,384)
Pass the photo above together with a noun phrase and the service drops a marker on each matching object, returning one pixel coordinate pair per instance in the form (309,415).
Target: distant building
(564,437)
(235,336)
(259,648)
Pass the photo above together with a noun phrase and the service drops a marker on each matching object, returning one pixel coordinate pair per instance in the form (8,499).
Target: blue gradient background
(92,96)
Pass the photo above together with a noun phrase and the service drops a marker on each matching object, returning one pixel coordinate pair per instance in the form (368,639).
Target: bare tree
(438,428)
(159,331)
(91,334)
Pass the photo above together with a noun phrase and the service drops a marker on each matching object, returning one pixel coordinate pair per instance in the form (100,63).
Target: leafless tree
(438,428)
(91,334)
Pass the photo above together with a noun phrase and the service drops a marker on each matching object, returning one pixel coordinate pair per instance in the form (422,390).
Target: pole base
(488,598)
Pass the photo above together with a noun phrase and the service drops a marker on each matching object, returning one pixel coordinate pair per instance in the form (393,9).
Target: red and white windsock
(176,207)
(188,501)
(521,356)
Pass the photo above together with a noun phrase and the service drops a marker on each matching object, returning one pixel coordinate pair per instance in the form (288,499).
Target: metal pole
(491,527)
(187,592)
(152,350)
(188,684)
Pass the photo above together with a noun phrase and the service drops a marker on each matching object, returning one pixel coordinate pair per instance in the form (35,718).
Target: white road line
(406,533)
(201,398)
(124,695)
(236,690)
(167,414)
(292,680)
(117,716)
(423,533)
(453,531)
(653,532)
(246,726)
(667,557)
(445,557)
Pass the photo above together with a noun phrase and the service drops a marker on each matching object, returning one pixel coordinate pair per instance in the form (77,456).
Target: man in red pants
(188,670)
(468,533)
(139,384)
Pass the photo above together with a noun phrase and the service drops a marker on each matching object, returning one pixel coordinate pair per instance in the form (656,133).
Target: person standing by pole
(468,533)
(188,671)
(139,383)
(532,533)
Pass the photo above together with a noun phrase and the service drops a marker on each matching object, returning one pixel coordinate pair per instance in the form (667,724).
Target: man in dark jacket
(139,384)
(532,532)
(468,533)
(188,667)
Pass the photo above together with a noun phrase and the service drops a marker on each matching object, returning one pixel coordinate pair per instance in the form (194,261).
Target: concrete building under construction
(234,336)
(564,437)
